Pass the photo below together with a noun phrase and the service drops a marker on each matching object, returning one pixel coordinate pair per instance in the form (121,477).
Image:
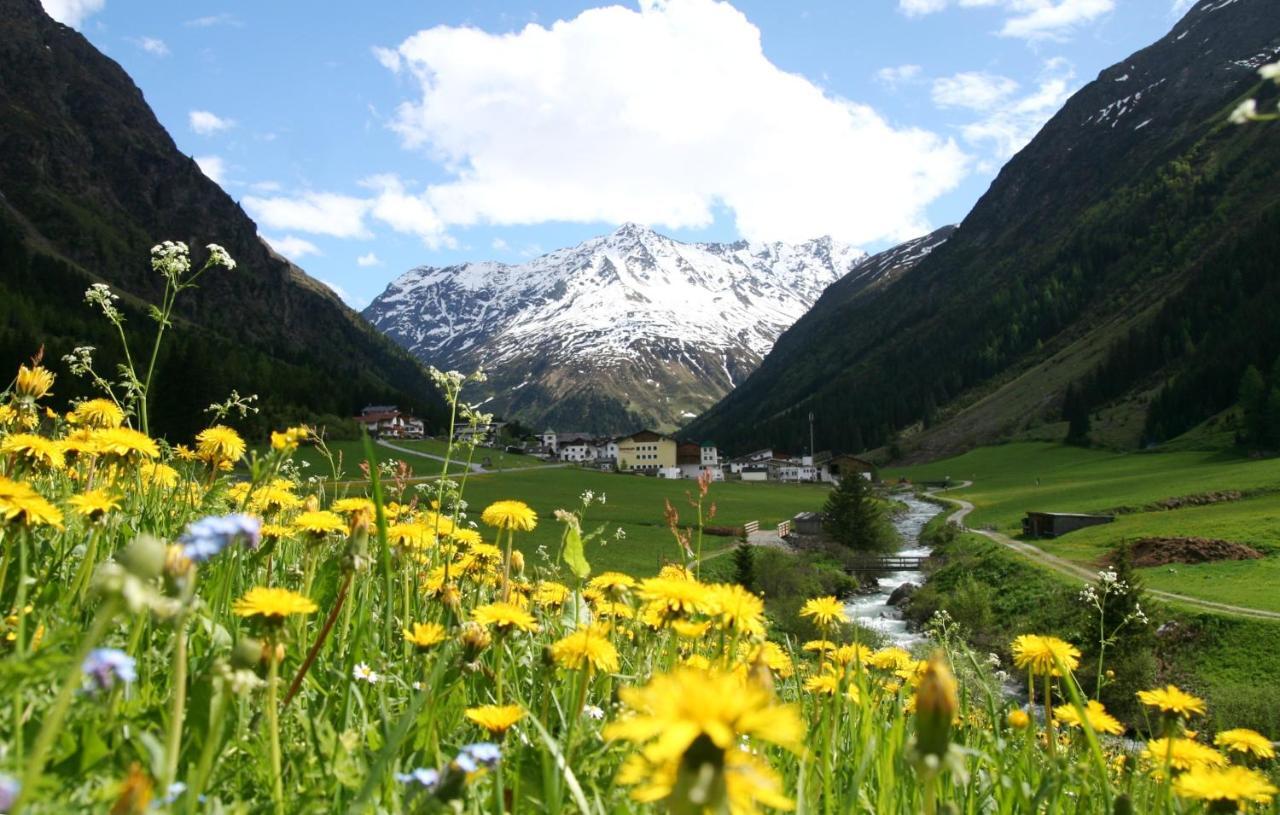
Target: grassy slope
(352,453)
(1224,658)
(1073,479)
(498,458)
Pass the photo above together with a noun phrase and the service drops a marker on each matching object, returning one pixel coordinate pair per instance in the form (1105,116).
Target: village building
(481,434)
(387,421)
(646,452)
(1053,524)
(831,468)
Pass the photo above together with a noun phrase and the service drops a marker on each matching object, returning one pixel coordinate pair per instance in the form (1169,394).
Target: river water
(873,610)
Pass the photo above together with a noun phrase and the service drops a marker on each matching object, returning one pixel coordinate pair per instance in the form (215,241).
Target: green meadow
(1074,479)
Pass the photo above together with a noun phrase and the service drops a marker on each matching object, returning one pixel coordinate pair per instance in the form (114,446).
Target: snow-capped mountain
(629,329)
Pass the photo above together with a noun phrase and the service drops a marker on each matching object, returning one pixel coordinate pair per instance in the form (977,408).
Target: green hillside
(89,182)
(1129,257)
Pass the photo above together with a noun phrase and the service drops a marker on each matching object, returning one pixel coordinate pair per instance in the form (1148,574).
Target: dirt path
(1075,570)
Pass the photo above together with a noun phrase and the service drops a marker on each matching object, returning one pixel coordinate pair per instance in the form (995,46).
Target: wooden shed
(1053,524)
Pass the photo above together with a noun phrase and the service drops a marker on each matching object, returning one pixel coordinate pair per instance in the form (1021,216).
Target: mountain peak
(628,328)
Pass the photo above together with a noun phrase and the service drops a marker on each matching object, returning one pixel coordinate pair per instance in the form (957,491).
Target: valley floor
(1009,480)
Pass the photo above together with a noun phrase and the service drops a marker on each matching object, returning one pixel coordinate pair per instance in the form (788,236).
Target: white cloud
(404,212)
(1181,7)
(265,186)
(500,245)
(213,166)
(72,12)
(390,59)
(898,74)
(348,298)
(319,213)
(1010,125)
(369,259)
(659,115)
(1042,19)
(206,123)
(973,90)
(151,45)
(212,20)
(1025,19)
(292,247)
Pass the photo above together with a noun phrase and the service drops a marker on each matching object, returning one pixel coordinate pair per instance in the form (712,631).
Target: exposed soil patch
(1162,551)
(1201,499)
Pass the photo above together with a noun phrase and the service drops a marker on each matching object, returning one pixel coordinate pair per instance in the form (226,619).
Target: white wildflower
(593,712)
(620,534)
(220,257)
(364,673)
(1245,111)
(1270,71)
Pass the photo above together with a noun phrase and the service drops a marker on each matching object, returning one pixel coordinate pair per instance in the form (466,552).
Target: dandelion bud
(475,638)
(312,504)
(517,562)
(268,651)
(1018,719)
(936,705)
(144,558)
(451,597)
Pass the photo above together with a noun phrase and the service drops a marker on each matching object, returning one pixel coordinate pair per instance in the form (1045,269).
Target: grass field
(352,453)
(1079,480)
(498,459)
(635,504)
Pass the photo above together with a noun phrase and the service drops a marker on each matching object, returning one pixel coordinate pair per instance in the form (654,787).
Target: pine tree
(855,519)
(1253,403)
(1076,412)
(744,564)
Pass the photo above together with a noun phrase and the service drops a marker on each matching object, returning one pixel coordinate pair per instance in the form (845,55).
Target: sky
(367,139)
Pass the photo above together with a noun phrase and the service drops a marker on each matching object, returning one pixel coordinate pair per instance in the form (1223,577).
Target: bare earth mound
(1161,551)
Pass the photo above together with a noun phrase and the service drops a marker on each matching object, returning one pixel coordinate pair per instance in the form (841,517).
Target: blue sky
(369,138)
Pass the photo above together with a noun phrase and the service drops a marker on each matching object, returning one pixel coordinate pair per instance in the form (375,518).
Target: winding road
(1075,570)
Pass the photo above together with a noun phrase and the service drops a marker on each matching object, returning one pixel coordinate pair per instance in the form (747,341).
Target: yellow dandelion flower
(1100,721)
(98,413)
(272,604)
(618,611)
(548,594)
(219,445)
(19,502)
(35,450)
(851,654)
(1183,754)
(1042,654)
(510,515)
(1172,700)
(155,474)
(614,584)
(319,523)
(497,719)
(695,721)
(504,617)
(823,684)
(275,532)
(1018,719)
(1235,786)
(773,657)
(465,537)
(123,443)
(34,382)
(891,659)
(587,647)
(673,596)
(425,635)
(1245,741)
(288,440)
(689,629)
(736,609)
(819,646)
(825,611)
(94,503)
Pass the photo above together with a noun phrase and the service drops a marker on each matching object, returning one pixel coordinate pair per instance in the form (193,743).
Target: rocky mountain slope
(89,181)
(1128,252)
(625,330)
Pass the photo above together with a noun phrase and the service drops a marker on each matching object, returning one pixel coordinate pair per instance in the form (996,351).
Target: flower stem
(273,729)
(52,724)
(177,711)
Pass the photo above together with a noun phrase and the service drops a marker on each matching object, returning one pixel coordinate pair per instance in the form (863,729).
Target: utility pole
(812,452)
